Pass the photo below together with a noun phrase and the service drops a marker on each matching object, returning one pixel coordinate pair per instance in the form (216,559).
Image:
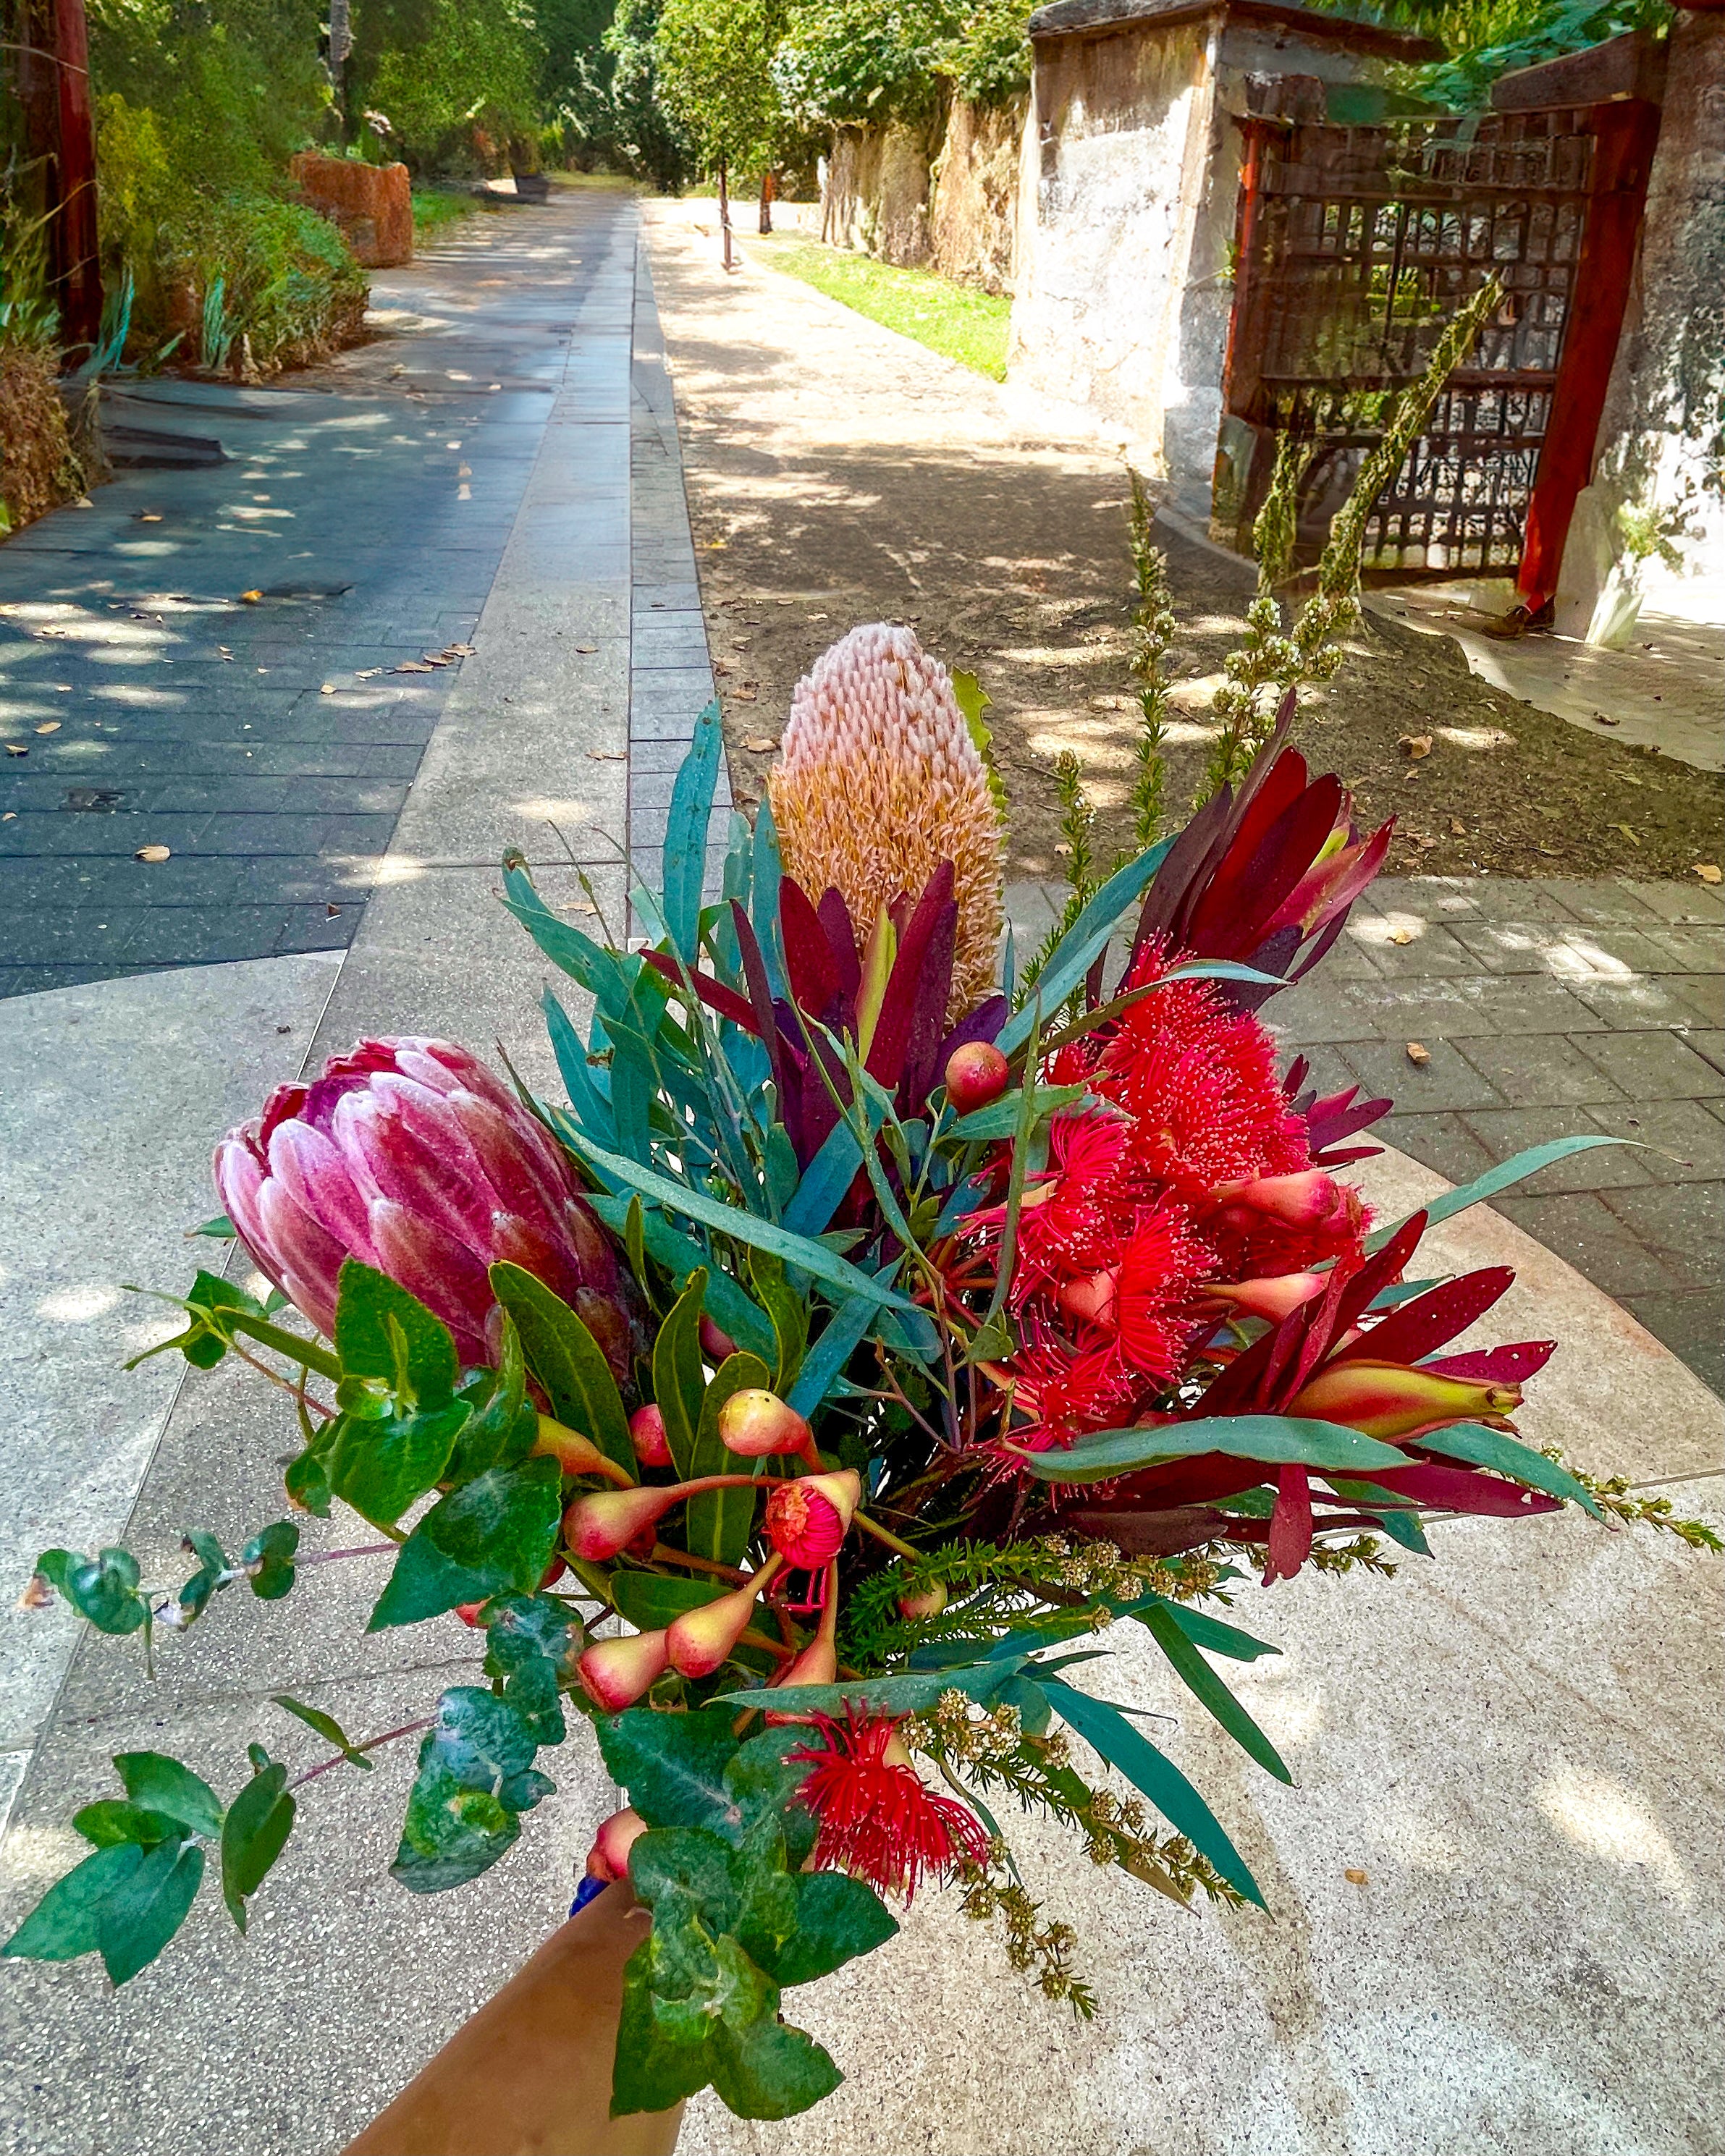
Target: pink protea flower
(410,1156)
(879,781)
(877,1820)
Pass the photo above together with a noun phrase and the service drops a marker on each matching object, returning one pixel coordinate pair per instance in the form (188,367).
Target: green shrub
(473,69)
(859,61)
(291,288)
(989,60)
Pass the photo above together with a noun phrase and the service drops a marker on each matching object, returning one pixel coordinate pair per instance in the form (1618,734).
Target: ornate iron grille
(1356,245)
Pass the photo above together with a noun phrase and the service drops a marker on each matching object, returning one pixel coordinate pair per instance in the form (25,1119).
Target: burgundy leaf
(983,1023)
(1377,1272)
(885,1060)
(754,972)
(923,1063)
(726,1001)
(1194,1481)
(1513,1365)
(841,940)
(808,955)
(1151,1533)
(1463,1489)
(1256,891)
(1290,1524)
(1431,1319)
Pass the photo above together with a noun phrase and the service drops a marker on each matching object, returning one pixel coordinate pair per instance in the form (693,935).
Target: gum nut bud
(700,1640)
(1392,1399)
(715,1345)
(608,1857)
(596,1527)
(922,1602)
(468,1613)
(808,1520)
(573,1453)
(1309,1199)
(817,1664)
(615,1673)
(646,1433)
(756,1424)
(1273,1299)
(976,1073)
(552,1572)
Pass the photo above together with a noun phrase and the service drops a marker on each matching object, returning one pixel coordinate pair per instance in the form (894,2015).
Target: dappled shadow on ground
(838,474)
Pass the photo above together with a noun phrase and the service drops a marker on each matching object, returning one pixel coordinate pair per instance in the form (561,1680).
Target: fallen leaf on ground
(49,726)
(1106,704)
(745,694)
(720,667)
(761,744)
(17,748)
(1416,744)
(410,666)
(149,517)
(459,650)
(1419,1053)
(10,817)
(1627,833)
(1605,721)
(1708,871)
(608,755)
(332,911)
(435,659)
(365,673)
(587,650)
(1402,935)
(251,599)
(151,854)
(1354,1878)
(327,690)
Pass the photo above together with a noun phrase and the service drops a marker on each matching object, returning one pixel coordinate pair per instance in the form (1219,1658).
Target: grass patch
(952,320)
(435,209)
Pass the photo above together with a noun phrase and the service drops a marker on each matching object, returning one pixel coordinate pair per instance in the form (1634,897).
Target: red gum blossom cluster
(1184,1188)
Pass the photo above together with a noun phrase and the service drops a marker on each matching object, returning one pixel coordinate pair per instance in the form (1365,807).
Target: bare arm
(530,2075)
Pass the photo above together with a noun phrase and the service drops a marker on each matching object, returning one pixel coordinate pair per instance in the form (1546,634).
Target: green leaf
(717,1523)
(730,1308)
(679,1380)
(651,1600)
(144,1910)
(824,1363)
(1269,1437)
(476,1777)
(672,1765)
(1205,1686)
(999,1119)
(258,1822)
(896,1694)
(388,1337)
(112,1819)
(568,1361)
(381,1464)
(327,1727)
(307,1478)
(813,1257)
(103,1589)
(161,1784)
(495,1532)
(1208,1632)
(64,1923)
(194,1596)
(685,833)
(653,2070)
(531,1642)
(1108,1731)
(762,2067)
(1515,1169)
(1084,943)
(1483,1447)
(221,1228)
(269,1560)
(837,1919)
(789,1312)
(1397,1515)
(504,1426)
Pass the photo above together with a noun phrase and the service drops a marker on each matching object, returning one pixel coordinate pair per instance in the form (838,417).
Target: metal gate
(1355,246)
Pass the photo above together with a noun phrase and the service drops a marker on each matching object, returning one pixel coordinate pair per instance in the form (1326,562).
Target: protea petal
(334,1190)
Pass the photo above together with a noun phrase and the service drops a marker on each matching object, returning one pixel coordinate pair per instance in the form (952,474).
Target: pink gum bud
(1273,1299)
(608,1857)
(615,1673)
(597,1527)
(755,1423)
(1393,1399)
(574,1454)
(646,1433)
(924,1602)
(715,1346)
(818,1663)
(700,1640)
(1310,1199)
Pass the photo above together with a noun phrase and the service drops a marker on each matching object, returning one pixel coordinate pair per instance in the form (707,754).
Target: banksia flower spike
(878,782)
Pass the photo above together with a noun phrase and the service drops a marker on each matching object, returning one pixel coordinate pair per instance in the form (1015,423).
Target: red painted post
(1624,136)
(77,266)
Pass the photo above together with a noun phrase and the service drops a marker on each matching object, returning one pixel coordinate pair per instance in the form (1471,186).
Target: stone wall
(875,198)
(973,219)
(1662,434)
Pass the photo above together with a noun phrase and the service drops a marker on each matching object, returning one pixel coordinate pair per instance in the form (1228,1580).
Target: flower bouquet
(796,1403)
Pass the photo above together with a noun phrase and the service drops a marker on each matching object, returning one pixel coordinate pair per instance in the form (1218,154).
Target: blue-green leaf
(1108,1731)
(1203,1682)
(691,809)
(1483,1447)
(1515,1169)
(1083,942)
(826,1359)
(1269,1437)
(825,1181)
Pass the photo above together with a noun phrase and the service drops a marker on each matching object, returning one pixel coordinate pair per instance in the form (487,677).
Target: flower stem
(873,1527)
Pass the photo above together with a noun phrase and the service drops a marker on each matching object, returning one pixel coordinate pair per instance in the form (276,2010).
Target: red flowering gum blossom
(876,1819)
(646,1433)
(1394,1400)
(755,1423)
(608,1857)
(615,1673)
(808,1520)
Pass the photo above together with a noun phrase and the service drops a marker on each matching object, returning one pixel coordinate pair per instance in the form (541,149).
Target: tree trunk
(769,191)
(725,212)
(74,269)
(341,39)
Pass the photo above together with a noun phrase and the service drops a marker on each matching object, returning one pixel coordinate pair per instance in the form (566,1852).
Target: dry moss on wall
(972,220)
(39,467)
(942,198)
